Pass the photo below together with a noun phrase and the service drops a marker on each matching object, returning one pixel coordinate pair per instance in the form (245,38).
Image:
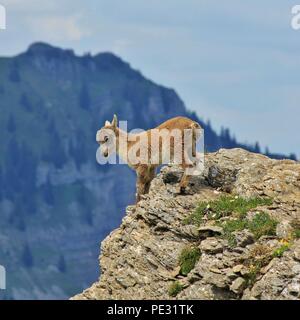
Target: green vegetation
(236,208)
(225,206)
(296,228)
(188,258)
(175,288)
(262,224)
(296,233)
(259,256)
(278,253)
(251,276)
(231,226)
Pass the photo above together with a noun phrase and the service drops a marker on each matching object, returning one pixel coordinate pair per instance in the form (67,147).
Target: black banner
(192,309)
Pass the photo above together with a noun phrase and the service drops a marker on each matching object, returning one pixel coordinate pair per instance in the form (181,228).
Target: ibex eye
(106,139)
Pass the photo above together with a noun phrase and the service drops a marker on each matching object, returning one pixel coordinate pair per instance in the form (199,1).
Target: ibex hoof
(182,190)
(185,190)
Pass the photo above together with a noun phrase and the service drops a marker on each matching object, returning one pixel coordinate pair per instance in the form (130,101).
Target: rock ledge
(139,260)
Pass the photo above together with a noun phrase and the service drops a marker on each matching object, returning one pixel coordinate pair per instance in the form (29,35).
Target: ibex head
(106,137)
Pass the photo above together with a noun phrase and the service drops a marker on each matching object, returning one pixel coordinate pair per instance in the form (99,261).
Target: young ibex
(179,148)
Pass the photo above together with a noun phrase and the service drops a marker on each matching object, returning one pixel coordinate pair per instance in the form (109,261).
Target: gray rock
(209,231)
(297,251)
(238,268)
(238,285)
(172,177)
(212,245)
(284,229)
(294,288)
(243,238)
(216,280)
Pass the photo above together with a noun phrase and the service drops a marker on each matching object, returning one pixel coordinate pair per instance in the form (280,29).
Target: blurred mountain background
(56,202)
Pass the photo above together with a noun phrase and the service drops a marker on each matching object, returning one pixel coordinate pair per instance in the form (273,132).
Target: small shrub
(259,251)
(259,256)
(278,253)
(188,258)
(262,224)
(251,276)
(175,288)
(231,226)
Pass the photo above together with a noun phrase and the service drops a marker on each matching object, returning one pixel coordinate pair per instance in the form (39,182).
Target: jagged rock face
(139,260)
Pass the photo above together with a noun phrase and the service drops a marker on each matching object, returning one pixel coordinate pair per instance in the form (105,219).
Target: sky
(234,62)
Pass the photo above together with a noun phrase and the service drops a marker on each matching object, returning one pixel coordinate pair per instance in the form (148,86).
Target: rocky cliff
(234,236)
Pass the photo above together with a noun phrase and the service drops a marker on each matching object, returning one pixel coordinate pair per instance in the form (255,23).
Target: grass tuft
(225,206)
(296,233)
(279,251)
(237,208)
(231,226)
(175,288)
(252,275)
(259,256)
(262,224)
(188,258)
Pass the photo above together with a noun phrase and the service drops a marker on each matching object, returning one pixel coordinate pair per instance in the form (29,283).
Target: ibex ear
(114,123)
(107,124)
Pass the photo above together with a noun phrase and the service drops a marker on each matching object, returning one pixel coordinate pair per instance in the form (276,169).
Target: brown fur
(146,172)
